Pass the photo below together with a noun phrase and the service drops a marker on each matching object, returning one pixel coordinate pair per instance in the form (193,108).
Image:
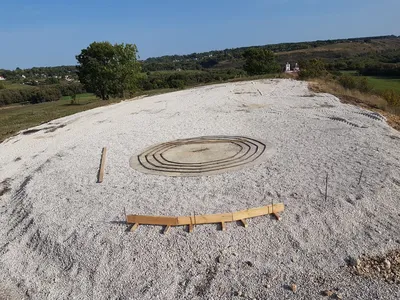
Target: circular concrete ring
(201,156)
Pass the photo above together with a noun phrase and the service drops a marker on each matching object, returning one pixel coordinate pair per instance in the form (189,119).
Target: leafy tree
(260,61)
(108,70)
(312,68)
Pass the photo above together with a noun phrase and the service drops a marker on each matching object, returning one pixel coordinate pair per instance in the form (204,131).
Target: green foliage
(312,69)
(382,69)
(391,97)
(180,79)
(32,95)
(25,94)
(2,86)
(71,88)
(52,80)
(260,61)
(355,83)
(108,70)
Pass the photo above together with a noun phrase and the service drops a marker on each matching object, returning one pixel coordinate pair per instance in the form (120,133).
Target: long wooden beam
(206,219)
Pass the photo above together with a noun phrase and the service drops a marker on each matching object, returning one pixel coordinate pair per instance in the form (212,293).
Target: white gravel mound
(62,235)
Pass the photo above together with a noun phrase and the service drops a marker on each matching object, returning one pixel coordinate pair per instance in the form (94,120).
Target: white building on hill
(288,68)
(2,78)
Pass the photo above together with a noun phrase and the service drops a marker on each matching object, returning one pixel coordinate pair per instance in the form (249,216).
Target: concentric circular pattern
(201,156)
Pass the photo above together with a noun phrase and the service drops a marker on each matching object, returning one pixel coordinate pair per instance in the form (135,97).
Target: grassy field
(384,83)
(380,84)
(15,86)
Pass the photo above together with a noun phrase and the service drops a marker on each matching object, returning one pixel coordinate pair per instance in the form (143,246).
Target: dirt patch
(372,102)
(47,129)
(386,266)
(30,131)
(54,128)
(5,186)
(392,119)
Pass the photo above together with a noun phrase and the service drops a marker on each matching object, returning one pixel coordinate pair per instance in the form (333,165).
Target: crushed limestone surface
(62,235)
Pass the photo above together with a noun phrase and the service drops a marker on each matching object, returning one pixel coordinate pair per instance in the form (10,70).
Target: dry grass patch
(365,100)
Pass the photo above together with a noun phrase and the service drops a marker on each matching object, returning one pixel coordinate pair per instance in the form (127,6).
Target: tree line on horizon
(115,71)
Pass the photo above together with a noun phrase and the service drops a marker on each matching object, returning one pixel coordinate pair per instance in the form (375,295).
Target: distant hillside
(330,50)
(344,53)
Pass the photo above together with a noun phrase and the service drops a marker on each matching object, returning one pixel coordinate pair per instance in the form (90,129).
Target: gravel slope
(62,234)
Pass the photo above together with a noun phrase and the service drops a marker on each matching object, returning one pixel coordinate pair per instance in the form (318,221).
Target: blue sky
(51,32)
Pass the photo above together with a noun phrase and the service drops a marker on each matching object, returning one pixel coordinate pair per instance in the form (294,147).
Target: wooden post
(244,222)
(167,228)
(223,226)
(135,226)
(102,163)
(359,180)
(326,187)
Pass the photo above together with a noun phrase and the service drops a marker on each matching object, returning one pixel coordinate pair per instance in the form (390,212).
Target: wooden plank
(102,164)
(223,226)
(167,228)
(244,222)
(152,220)
(135,226)
(206,219)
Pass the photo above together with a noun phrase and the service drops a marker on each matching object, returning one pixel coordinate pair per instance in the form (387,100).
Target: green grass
(380,84)
(80,97)
(15,86)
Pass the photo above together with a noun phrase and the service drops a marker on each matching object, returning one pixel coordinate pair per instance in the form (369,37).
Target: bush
(348,82)
(391,97)
(312,69)
(32,95)
(71,89)
(177,84)
(260,61)
(355,83)
(180,79)
(47,94)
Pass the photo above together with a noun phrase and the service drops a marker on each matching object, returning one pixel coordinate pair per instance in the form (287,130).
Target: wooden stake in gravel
(326,187)
(102,163)
(359,180)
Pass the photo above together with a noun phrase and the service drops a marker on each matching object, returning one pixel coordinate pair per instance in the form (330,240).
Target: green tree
(108,70)
(260,61)
(312,68)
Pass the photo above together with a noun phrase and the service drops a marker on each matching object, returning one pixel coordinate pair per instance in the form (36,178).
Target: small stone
(387,264)
(328,293)
(234,253)
(354,262)
(338,296)
(293,287)
(249,263)
(239,293)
